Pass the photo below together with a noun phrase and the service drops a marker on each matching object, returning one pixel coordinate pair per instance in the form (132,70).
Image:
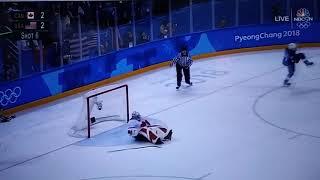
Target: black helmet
(184,48)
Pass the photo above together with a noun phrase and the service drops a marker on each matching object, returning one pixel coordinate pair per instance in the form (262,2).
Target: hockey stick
(134,148)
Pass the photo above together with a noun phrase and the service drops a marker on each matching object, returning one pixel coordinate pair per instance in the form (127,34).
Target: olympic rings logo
(303,25)
(9,96)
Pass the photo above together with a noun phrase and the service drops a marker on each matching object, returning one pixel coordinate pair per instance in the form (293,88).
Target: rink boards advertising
(120,63)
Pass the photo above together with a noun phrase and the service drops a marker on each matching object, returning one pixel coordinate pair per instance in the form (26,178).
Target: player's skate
(168,136)
(286,83)
(308,63)
(158,142)
(177,87)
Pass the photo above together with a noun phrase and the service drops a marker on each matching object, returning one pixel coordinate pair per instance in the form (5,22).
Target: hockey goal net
(102,109)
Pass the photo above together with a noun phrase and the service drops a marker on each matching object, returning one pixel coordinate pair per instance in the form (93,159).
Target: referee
(183,62)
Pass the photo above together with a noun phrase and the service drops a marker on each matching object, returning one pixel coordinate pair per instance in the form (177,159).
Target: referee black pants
(186,72)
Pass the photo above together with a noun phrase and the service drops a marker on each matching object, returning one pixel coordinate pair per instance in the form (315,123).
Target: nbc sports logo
(9,96)
(302,18)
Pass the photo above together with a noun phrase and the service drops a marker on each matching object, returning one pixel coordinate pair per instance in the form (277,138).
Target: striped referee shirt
(184,61)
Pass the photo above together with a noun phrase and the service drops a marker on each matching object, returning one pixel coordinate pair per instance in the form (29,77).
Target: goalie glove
(132,131)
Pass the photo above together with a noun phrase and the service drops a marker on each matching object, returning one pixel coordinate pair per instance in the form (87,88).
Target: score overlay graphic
(29,25)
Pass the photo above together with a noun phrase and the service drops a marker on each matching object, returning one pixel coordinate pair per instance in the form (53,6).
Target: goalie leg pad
(150,135)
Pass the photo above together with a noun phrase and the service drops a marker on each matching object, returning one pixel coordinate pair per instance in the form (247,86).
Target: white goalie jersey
(143,129)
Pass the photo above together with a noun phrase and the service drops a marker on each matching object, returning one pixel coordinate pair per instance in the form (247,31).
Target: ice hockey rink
(236,122)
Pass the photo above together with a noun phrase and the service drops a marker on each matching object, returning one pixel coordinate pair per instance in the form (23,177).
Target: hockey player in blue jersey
(289,60)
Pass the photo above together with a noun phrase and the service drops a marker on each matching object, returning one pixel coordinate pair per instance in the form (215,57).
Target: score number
(42,24)
(41,15)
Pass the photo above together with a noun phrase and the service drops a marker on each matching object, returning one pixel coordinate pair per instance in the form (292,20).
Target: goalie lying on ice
(142,129)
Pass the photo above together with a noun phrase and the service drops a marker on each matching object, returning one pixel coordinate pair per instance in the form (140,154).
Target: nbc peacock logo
(303,18)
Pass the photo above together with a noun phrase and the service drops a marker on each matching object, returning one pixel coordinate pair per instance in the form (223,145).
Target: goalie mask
(135,115)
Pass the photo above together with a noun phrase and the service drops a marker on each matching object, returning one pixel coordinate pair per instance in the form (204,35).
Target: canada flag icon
(30,15)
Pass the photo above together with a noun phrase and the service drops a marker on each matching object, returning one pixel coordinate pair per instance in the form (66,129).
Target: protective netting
(107,108)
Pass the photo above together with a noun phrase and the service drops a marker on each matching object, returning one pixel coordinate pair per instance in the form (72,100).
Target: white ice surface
(235,123)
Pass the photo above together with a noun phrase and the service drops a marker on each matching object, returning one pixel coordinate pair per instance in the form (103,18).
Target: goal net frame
(103,92)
